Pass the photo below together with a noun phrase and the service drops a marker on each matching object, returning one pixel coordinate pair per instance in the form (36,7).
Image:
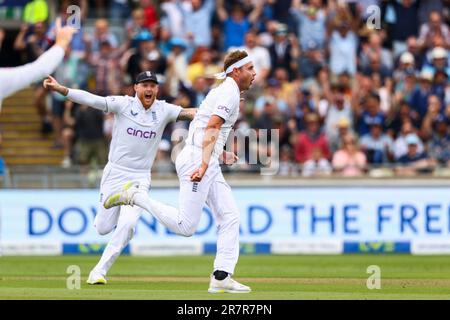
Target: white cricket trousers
(122,218)
(212,190)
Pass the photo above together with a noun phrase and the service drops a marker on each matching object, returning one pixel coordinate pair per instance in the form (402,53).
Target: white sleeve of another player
(15,79)
(224,106)
(173,111)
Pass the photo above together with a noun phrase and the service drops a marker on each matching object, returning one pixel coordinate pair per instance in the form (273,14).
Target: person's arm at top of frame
(15,79)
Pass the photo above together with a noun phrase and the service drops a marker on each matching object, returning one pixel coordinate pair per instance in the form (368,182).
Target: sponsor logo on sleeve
(227,110)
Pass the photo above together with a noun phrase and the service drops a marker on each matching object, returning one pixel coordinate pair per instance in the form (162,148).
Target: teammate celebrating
(201,178)
(138,127)
(15,79)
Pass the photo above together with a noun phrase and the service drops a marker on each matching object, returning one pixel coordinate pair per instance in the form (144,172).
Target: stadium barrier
(274,220)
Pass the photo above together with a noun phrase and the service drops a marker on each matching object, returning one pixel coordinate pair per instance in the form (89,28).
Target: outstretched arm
(75,95)
(15,79)
(187,114)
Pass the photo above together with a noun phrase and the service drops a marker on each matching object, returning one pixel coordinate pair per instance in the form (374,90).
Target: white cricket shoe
(96,277)
(227,285)
(122,197)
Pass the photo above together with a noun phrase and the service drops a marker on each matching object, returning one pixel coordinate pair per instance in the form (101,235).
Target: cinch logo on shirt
(141,134)
(227,110)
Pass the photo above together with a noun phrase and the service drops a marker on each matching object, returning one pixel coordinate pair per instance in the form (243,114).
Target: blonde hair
(233,57)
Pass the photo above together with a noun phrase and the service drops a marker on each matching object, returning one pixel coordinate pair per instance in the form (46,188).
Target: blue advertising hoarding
(372,219)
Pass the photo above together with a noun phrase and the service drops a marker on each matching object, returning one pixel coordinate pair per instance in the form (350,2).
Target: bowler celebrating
(138,127)
(201,179)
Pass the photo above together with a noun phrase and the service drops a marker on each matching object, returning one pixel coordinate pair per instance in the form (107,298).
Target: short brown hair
(233,57)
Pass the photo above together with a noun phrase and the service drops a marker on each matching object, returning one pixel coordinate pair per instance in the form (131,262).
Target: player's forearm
(209,142)
(187,114)
(86,98)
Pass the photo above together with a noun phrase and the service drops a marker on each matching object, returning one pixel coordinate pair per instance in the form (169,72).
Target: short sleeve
(224,108)
(172,111)
(115,104)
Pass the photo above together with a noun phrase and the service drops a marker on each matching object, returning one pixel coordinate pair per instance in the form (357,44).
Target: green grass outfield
(270,276)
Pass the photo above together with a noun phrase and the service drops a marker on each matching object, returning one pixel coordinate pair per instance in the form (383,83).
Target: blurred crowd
(351,87)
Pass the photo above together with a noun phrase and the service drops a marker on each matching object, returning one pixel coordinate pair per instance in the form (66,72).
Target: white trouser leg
(123,233)
(106,219)
(183,221)
(226,213)
(112,180)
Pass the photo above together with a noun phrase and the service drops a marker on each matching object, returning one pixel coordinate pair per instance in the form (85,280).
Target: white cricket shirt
(137,132)
(222,101)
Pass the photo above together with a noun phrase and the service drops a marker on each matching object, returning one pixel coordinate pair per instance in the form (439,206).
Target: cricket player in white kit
(138,127)
(17,78)
(201,179)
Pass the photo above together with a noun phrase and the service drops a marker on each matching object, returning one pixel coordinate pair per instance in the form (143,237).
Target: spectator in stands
(78,43)
(35,11)
(402,16)
(434,27)
(343,45)
(198,91)
(151,18)
(439,144)
(197,21)
(311,61)
(419,98)
(414,161)
(136,24)
(374,49)
(204,67)
(72,72)
(405,85)
(349,161)
(287,167)
(305,142)
(338,109)
(281,51)
(236,24)
(377,145)
(102,34)
(287,88)
(32,40)
(145,46)
(370,114)
(119,9)
(106,66)
(400,145)
(90,144)
(266,118)
(439,61)
(311,21)
(317,166)
(343,126)
(176,72)
(434,109)
(172,18)
(272,95)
